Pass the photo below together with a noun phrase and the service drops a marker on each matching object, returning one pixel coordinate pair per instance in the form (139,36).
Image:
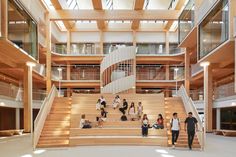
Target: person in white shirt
(84,123)
(175,128)
(103,101)
(98,105)
(116,102)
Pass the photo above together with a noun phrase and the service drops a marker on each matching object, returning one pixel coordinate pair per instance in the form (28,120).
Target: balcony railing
(154,50)
(40,69)
(80,75)
(186,20)
(16,93)
(77,49)
(204,9)
(219,92)
(196,69)
(159,75)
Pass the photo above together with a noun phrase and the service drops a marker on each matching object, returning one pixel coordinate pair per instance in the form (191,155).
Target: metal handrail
(190,107)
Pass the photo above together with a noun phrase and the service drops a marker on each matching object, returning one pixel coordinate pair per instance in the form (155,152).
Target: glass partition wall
(22,29)
(214,29)
(186,20)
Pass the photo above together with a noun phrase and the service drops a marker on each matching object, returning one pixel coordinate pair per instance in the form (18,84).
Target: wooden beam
(4,18)
(137,6)
(58,6)
(97,5)
(177,7)
(114,15)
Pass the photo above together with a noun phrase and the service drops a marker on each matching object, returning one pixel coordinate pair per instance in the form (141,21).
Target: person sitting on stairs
(116,102)
(98,105)
(131,112)
(124,107)
(159,123)
(102,118)
(84,123)
(103,101)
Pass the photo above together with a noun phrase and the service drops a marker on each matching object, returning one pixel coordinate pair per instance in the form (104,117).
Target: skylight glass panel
(156,4)
(118,4)
(85,4)
(49,5)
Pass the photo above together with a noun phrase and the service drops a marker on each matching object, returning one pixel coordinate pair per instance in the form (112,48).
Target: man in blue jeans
(175,128)
(191,123)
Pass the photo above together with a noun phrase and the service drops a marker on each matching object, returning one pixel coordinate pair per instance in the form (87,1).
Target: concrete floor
(217,146)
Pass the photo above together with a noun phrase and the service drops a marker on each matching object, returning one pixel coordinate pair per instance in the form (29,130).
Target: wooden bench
(231,133)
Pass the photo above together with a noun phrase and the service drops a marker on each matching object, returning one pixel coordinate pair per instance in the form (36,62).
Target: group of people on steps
(137,114)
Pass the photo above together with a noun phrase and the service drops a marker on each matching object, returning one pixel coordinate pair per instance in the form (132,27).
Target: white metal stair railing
(42,115)
(190,107)
(126,82)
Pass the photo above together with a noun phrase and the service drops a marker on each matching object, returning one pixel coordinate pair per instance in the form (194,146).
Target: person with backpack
(175,128)
(191,124)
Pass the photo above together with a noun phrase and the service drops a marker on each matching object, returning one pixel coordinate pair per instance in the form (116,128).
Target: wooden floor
(175,104)
(61,128)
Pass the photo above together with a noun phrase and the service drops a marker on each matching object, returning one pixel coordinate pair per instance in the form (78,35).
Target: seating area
(231,133)
(62,127)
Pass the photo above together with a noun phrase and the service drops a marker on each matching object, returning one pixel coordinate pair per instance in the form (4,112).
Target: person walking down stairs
(175,128)
(191,124)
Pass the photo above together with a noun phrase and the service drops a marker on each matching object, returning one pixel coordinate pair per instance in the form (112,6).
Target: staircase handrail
(190,107)
(42,115)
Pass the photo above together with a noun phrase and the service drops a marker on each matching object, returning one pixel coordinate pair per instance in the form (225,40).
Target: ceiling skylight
(118,4)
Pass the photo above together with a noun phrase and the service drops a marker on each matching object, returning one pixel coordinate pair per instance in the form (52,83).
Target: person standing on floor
(145,125)
(175,128)
(191,125)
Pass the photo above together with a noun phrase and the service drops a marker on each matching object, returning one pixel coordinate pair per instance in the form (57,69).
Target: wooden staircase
(175,104)
(114,131)
(56,129)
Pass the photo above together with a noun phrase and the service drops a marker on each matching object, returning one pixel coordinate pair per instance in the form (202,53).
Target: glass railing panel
(110,47)
(77,49)
(214,29)
(22,29)
(224,91)
(186,20)
(158,72)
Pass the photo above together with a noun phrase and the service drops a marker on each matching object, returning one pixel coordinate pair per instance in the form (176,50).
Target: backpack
(123,118)
(171,123)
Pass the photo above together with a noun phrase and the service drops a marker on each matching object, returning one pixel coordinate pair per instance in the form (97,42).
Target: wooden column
(208,92)
(48,55)
(235,66)
(68,77)
(27,98)
(4,18)
(68,42)
(167,42)
(101,42)
(187,72)
(134,38)
(167,69)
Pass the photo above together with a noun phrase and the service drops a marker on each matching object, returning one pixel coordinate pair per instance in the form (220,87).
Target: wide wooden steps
(175,104)
(114,132)
(56,131)
(118,140)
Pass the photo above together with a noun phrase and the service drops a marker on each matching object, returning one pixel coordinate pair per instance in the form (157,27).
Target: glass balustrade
(159,72)
(109,47)
(77,49)
(186,20)
(214,29)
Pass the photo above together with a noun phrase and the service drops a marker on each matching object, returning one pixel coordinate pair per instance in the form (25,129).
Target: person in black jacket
(191,124)
(124,106)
